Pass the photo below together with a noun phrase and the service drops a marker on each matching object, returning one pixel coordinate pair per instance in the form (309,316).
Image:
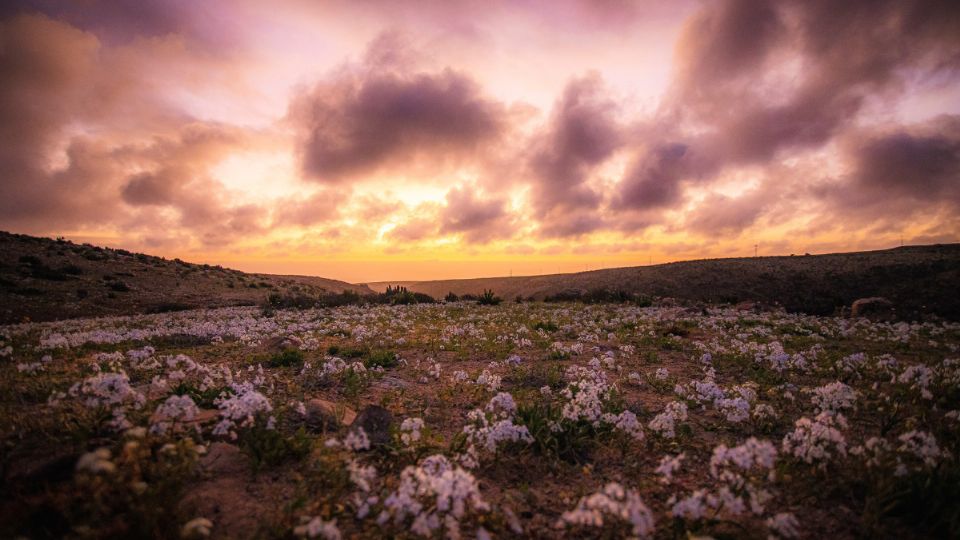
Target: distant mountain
(44,279)
(918,279)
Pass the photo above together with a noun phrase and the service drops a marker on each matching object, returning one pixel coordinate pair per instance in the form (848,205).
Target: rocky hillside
(44,279)
(918,279)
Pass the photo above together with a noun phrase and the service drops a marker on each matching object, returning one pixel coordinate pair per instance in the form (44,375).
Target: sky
(387,140)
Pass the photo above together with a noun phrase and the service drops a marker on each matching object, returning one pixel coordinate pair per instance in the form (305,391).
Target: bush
(71,269)
(119,286)
(203,398)
(346,352)
(286,358)
(489,299)
(168,307)
(384,359)
(345,298)
(546,326)
(269,447)
(600,296)
(400,296)
(288,301)
(572,443)
(450,297)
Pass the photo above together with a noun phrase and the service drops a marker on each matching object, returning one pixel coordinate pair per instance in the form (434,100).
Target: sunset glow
(386,140)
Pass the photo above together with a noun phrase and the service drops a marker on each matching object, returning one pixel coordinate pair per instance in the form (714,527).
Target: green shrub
(203,398)
(347,352)
(270,447)
(286,358)
(381,358)
(546,326)
(572,443)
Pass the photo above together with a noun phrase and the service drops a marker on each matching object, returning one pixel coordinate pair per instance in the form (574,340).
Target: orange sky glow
(389,140)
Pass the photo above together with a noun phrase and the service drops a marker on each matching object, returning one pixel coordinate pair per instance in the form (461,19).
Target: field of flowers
(464,421)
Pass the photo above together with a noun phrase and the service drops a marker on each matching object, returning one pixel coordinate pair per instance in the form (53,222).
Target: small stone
(389,382)
(323,415)
(376,422)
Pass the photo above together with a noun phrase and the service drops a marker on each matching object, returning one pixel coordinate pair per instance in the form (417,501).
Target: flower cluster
(176,410)
(738,474)
(489,428)
(614,502)
(834,397)
(111,391)
(665,423)
(434,495)
(240,409)
(410,430)
(318,528)
(817,441)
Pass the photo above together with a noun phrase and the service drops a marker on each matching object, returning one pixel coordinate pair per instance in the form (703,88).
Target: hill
(918,279)
(43,279)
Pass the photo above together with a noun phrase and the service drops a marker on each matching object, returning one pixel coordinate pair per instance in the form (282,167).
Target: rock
(281,343)
(222,458)
(389,382)
(875,308)
(756,306)
(37,469)
(203,417)
(376,422)
(323,415)
(206,416)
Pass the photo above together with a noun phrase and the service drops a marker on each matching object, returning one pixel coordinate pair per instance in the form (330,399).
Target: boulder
(376,422)
(875,308)
(323,415)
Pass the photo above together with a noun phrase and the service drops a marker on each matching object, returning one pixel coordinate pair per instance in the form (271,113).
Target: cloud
(895,174)
(117,117)
(720,215)
(653,182)
(478,220)
(756,82)
(119,22)
(414,230)
(321,207)
(582,133)
(385,112)
(921,163)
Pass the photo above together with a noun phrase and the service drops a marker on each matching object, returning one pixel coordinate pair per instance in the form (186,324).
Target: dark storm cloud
(386,112)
